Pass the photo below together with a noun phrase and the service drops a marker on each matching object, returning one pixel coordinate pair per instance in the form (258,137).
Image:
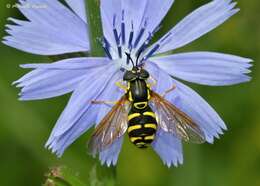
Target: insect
(141,112)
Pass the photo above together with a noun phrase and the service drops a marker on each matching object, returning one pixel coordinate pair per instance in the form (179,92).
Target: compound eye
(129,76)
(144,74)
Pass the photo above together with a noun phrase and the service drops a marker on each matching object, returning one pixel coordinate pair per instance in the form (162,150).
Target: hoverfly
(141,112)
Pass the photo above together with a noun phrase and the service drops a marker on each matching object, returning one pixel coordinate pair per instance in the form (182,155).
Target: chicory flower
(128,27)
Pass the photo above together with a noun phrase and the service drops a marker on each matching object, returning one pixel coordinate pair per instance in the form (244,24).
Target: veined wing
(112,127)
(172,120)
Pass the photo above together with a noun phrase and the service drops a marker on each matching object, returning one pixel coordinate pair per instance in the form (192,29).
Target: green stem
(95,27)
(108,175)
(102,176)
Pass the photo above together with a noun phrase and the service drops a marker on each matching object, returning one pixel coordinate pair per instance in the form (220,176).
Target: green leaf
(107,175)
(62,176)
(93,177)
(102,176)
(99,175)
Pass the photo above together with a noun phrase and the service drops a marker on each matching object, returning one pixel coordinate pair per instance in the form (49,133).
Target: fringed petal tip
(6,42)
(27,66)
(41,34)
(105,161)
(15,21)
(109,162)
(189,102)
(214,132)
(169,148)
(55,79)
(58,142)
(5,39)
(248,65)
(43,84)
(74,122)
(51,145)
(109,156)
(206,68)
(212,137)
(174,163)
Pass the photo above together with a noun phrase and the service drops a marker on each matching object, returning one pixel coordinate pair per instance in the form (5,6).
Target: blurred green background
(234,160)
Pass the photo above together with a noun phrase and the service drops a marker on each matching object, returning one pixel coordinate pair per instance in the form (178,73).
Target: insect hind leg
(108,103)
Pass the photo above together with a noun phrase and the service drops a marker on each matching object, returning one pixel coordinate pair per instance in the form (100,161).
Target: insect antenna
(138,56)
(129,57)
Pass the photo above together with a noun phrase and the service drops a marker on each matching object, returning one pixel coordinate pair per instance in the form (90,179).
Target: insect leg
(103,102)
(108,103)
(153,82)
(168,91)
(120,85)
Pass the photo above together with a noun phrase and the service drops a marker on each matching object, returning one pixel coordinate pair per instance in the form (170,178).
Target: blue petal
(111,93)
(44,33)
(200,111)
(110,155)
(79,7)
(153,17)
(207,68)
(71,64)
(50,80)
(87,91)
(134,11)
(135,14)
(115,12)
(198,23)
(80,114)
(108,10)
(188,101)
(169,148)
(164,82)
(58,144)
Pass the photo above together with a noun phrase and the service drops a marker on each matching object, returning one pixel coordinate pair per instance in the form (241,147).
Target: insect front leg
(122,86)
(111,103)
(153,81)
(169,90)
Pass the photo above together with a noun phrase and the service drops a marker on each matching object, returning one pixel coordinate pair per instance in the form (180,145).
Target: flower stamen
(140,34)
(106,45)
(131,36)
(123,27)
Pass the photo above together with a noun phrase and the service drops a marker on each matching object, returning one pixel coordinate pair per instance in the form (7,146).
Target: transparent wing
(112,127)
(174,121)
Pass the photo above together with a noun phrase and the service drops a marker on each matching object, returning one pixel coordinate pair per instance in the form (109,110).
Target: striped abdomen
(142,125)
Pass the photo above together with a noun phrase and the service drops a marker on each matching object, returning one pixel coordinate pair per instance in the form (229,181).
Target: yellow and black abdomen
(142,126)
(142,123)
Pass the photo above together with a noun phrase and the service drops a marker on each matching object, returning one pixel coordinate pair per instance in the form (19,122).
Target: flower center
(130,41)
